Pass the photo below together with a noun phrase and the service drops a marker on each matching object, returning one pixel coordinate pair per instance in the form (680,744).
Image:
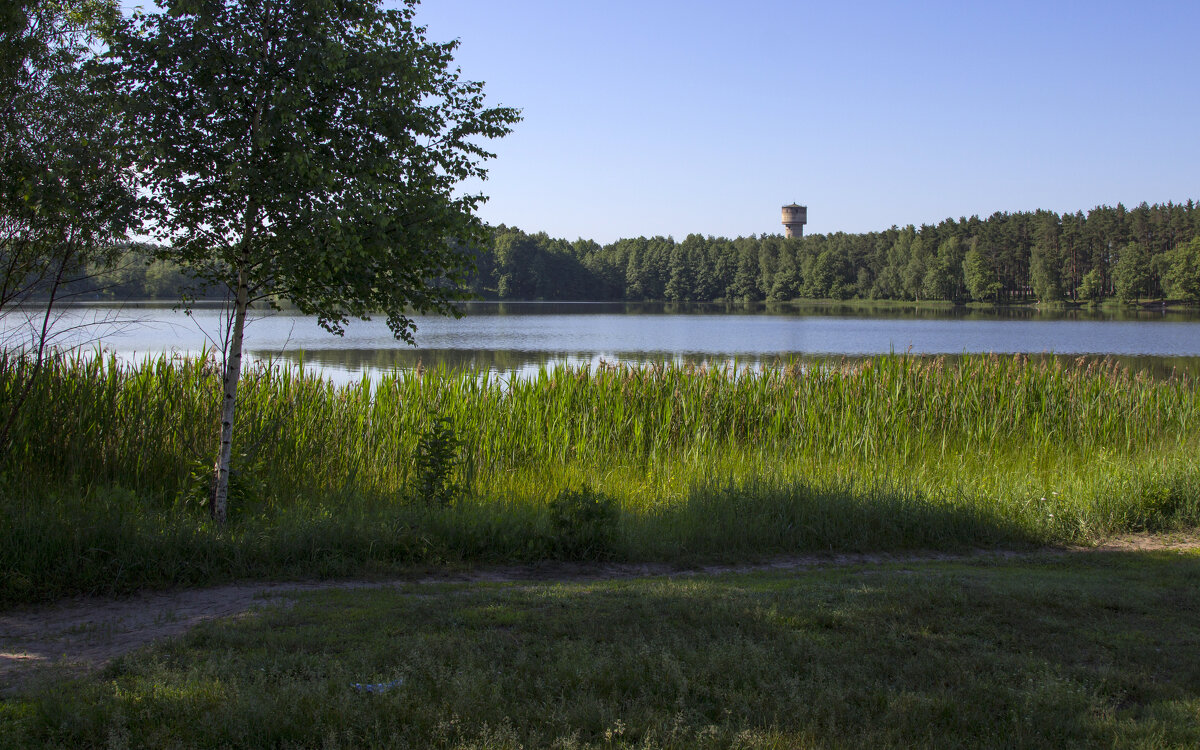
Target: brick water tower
(795,217)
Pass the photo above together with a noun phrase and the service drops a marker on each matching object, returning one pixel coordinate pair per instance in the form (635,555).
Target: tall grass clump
(887,452)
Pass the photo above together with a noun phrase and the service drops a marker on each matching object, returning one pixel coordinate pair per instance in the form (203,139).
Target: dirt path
(85,633)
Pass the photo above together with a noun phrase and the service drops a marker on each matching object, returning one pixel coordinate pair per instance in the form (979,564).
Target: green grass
(1092,650)
(104,488)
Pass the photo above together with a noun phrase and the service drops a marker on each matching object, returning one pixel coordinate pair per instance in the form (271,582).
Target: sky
(656,117)
(659,117)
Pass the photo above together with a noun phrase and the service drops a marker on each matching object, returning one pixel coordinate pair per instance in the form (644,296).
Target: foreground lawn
(1082,650)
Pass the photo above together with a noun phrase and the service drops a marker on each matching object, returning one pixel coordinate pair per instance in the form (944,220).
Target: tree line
(1148,252)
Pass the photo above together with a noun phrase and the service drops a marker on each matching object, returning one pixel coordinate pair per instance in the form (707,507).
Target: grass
(1089,650)
(103,490)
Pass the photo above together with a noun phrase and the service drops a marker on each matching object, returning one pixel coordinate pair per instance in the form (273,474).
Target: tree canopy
(65,194)
(312,146)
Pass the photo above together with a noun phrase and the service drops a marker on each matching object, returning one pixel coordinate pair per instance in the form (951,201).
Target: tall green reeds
(146,427)
(701,460)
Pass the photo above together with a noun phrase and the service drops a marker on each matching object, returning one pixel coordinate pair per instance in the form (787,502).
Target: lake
(517,338)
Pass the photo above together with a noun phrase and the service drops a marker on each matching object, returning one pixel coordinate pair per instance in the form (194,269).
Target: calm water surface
(520,337)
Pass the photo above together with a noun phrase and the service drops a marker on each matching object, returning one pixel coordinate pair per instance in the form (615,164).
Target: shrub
(584,523)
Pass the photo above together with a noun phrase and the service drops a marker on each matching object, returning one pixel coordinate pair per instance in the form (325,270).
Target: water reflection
(526,363)
(880,309)
(877,309)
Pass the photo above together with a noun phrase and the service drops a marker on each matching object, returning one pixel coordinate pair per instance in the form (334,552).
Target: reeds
(1033,448)
(147,427)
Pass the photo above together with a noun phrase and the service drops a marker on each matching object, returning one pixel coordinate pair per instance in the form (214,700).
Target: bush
(584,523)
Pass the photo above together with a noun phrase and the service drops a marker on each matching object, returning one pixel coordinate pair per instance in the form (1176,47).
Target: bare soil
(85,633)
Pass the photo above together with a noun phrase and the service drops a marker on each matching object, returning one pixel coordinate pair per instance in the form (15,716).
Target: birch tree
(307,150)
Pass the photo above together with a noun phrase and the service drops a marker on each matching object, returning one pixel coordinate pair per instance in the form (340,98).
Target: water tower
(795,217)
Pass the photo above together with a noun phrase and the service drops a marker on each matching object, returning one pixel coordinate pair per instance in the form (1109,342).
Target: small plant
(437,457)
(245,487)
(584,523)
(1161,505)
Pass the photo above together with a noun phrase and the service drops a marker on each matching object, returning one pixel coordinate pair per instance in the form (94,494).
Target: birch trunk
(233,357)
(233,373)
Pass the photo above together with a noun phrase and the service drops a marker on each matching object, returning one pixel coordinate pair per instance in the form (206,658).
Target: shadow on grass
(111,542)
(762,519)
(1080,651)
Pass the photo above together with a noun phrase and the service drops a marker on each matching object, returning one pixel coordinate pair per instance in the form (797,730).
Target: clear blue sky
(658,117)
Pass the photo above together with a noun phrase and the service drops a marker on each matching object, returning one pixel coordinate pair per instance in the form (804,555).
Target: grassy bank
(1079,651)
(104,488)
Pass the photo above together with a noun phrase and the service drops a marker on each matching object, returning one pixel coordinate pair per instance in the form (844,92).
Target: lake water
(517,338)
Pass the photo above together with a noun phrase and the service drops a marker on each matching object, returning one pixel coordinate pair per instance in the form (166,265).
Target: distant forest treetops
(1147,252)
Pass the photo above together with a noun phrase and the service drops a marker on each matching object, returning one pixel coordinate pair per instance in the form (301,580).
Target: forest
(1148,252)
(1151,252)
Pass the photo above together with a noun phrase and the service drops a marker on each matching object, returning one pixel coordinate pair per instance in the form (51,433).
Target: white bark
(233,373)
(233,357)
